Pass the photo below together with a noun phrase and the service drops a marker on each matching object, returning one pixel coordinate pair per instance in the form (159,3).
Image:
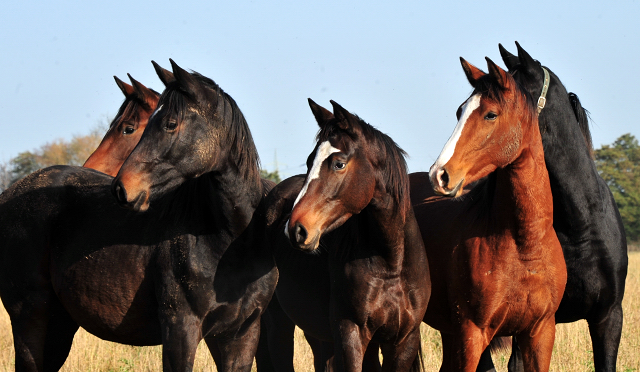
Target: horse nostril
(300,234)
(119,192)
(443,177)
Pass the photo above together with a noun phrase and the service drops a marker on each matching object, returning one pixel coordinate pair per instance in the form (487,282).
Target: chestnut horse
(191,267)
(497,267)
(585,218)
(126,129)
(355,205)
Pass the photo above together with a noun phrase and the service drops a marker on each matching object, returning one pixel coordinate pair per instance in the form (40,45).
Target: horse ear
(509,59)
(498,74)
(165,76)
(143,92)
(346,121)
(185,79)
(527,62)
(473,73)
(321,114)
(126,89)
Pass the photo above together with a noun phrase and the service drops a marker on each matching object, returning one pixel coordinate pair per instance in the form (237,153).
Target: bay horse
(190,267)
(585,218)
(126,129)
(497,267)
(355,204)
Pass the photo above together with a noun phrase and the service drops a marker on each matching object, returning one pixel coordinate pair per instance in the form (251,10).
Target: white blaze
(324,151)
(155,112)
(447,151)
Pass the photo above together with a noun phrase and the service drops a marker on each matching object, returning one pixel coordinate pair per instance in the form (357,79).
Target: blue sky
(396,64)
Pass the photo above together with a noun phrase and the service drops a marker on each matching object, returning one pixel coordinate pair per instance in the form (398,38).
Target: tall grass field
(572,350)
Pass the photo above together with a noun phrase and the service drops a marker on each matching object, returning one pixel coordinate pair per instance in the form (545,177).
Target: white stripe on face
(447,151)
(155,112)
(324,151)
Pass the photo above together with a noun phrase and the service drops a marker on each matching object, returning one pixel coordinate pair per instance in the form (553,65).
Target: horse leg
(537,346)
(371,362)
(404,356)
(515,360)
(469,345)
(350,347)
(59,338)
(605,337)
(238,351)
(29,321)
(214,350)
(447,352)
(322,353)
(180,338)
(275,349)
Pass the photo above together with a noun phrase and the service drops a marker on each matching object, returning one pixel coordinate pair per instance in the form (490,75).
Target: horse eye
(339,165)
(171,125)
(128,130)
(491,116)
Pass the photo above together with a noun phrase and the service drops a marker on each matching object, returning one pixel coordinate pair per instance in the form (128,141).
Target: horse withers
(497,267)
(354,204)
(189,268)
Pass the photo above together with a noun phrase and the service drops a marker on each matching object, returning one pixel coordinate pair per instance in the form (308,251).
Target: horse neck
(386,221)
(228,198)
(573,175)
(523,191)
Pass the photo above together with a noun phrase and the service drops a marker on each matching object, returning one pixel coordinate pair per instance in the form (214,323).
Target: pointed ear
(509,59)
(165,76)
(527,62)
(473,73)
(321,114)
(500,75)
(346,121)
(186,81)
(146,94)
(126,89)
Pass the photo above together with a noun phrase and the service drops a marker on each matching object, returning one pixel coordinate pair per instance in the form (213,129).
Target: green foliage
(619,166)
(273,176)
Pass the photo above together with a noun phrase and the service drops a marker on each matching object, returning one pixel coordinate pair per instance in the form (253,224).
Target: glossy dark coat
(353,289)
(186,269)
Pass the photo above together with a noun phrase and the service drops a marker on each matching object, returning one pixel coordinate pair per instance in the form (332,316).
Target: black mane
(582,115)
(242,149)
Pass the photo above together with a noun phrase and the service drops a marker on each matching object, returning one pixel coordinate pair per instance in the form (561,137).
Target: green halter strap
(543,96)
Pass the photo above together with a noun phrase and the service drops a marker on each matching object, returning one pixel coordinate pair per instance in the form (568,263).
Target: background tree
(273,176)
(619,166)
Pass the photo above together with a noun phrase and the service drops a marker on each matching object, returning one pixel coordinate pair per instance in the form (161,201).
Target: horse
(126,129)
(497,267)
(190,267)
(586,218)
(353,204)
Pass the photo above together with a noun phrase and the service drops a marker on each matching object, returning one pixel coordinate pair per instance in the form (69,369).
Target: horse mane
(389,158)
(242,148)
(582,115)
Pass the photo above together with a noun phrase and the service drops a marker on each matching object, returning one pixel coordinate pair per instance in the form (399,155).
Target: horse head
(196,129)
(493,124)
(126,129)
(347,171)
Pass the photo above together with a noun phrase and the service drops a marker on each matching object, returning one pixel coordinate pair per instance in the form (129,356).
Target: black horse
(366,282)
(585,218)
(185,270)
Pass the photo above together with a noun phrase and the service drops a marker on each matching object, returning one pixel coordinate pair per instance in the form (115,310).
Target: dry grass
(572,351)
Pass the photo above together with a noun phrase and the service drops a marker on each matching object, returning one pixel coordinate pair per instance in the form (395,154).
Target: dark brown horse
(496,264)
(186,269)
(126,129)
(354,205)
